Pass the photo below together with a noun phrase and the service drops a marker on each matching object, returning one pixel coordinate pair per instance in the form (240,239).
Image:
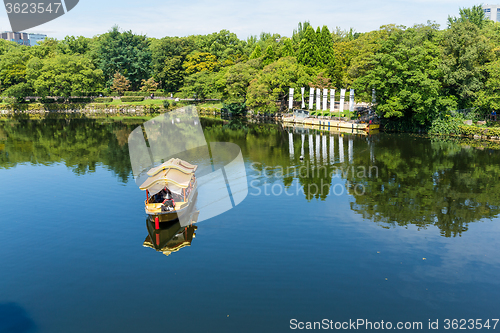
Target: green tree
(19,91)
(126,53)
(405,73)
(13,66)
(466,52)
(474,15)
(273,82)
(168,55)
(64,75)
(287,50)
(199,62)
(308,54)
(257,52)
(269,56)
(325,50)
(234,81)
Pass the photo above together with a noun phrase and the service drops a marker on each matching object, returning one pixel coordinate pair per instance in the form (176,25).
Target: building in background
(23,38)
(492,12)
(20,38)
(35,39)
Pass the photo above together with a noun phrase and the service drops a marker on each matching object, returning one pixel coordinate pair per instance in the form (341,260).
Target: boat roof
(170,178)
(173,163)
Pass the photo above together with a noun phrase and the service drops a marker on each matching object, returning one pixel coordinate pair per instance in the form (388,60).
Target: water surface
(412,240)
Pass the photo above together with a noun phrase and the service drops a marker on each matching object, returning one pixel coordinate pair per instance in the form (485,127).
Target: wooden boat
(170,190)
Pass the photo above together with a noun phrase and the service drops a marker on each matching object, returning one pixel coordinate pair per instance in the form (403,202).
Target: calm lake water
(398,228)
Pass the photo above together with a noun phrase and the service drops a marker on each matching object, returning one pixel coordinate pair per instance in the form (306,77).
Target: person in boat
(168,199)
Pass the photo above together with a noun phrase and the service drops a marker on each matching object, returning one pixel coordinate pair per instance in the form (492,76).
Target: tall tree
(257,52)
(325,50)
(168,55)
(126,53)
(64,75)
(405,73)
(474,15)
(466,52)
(308,54)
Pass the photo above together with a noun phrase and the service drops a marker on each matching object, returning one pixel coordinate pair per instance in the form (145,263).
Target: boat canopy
(173,163)
(174,179)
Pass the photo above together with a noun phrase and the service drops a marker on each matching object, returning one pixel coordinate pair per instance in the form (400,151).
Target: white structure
(332,100)
(311,98)
(290,98)
(342,99)
(302,90)
(35,39)
(325,99)
(318,98)
(492,12)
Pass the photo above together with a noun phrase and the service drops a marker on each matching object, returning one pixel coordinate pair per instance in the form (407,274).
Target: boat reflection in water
(172,236)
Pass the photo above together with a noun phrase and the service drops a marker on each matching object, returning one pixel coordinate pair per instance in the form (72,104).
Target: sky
(156,18)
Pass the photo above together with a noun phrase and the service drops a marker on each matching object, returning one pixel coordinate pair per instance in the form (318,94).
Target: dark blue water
(73,226)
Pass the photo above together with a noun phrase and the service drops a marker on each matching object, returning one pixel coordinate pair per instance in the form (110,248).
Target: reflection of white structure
(302,147)
(332,150)
(311,147)
(492,12)
(350,151)
(290,143)
(324,149)
(317,148)
(341,149)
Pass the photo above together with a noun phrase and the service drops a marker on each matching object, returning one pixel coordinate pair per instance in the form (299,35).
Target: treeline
(419,73)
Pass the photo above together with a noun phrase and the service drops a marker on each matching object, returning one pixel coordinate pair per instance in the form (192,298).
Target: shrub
(448,125)
(103,100)
(144,93)
(132,99)
(166,104)
(79,100)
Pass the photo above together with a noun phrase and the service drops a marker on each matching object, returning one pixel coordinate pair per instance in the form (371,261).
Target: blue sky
(245,18)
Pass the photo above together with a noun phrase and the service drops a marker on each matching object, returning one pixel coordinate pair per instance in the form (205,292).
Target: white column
(332,150)
(351,150)
(318,99)
(311,98)
(341,149)
(342,98)
(302,90)
(325,99)
(290,144)
(290,99)
(351,100)
(332,100)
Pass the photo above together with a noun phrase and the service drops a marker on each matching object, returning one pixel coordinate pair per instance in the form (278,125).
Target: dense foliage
(420,73)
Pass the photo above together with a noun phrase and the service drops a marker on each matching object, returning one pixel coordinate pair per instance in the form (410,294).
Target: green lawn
(345,113)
